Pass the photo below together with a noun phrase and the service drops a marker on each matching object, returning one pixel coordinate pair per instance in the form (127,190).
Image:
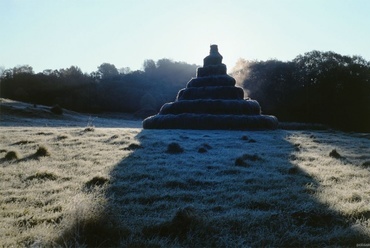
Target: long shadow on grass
(218,188)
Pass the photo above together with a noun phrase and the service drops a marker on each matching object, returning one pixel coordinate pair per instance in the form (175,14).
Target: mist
(241,72)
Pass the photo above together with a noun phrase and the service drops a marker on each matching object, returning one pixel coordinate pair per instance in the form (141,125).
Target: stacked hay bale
(211,101)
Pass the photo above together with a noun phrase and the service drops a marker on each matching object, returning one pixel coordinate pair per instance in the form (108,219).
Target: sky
(57,34)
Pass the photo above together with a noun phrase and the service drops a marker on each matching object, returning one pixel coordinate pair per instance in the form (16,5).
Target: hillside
(16,113)
(76,180)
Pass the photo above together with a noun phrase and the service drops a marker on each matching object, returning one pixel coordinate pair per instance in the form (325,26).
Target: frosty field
(125,187)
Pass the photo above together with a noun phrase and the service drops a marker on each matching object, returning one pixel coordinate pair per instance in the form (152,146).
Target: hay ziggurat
(211,101)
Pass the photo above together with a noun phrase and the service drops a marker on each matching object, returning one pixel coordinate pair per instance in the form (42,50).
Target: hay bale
(211,92)
(210,106)
(211,70)
(212,122)
(219,80)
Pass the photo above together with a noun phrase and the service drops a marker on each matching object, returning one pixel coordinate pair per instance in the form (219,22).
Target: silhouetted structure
(211,101)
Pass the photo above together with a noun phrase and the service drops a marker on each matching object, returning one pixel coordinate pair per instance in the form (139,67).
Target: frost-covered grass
(183,188)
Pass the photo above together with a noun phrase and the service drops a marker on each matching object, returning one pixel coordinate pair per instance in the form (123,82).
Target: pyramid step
(209,106)
(207,121)
(217,80)
(212,92)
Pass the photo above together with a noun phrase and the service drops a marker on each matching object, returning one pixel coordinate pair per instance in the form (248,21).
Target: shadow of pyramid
(226,188)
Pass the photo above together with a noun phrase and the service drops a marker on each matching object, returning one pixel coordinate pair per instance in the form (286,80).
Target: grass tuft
(93,228)
(23,142)
(207,146)
(314,218)
(56,109)
(43,176)
(11,155)
(240,162)
(243,160)
(355,198)
(174,148)
(202,150)
(62,137)
(114,137)
(297,147)
(183,222)
(89,129)
(42,152)
(253,157)
(96,182)
(90,126)
(366,164)
(293,171)
(335,154)
(262,205)
(132,147)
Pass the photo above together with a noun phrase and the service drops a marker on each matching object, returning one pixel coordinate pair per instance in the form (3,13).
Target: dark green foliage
(107,89)
(317,87)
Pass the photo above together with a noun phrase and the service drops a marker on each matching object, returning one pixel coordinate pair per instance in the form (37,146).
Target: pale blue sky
(54,34)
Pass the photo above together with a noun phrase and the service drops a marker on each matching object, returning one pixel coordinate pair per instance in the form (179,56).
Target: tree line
(317,87)
(108,89)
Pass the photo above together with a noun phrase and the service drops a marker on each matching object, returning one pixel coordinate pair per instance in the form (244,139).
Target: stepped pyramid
(211,101)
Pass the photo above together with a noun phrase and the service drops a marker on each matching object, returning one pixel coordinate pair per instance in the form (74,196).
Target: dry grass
(119,187)
(38,192)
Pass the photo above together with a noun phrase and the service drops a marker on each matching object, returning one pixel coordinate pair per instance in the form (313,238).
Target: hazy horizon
(59,34)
